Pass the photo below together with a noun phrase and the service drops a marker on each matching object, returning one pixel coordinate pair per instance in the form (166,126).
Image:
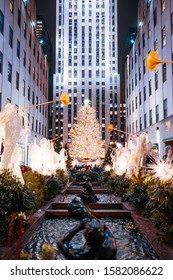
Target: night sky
(127,10)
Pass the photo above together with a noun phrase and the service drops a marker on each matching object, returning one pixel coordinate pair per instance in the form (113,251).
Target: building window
(24,58)
(162,5)
(12,6)
(164,72)
(9,72)
(19,18)
(140,98)
(157,113)
(136,125)
(33,98)
(145,120)
(172,23)
(155,17)
(18,49)
(30,40)
(165,108)
(140,123)
(29,93)
(150,115)
(33,73)
(24,29)
(23,87)
(163,36)
(139,73)
(143,40)
(144,69)
(36,125)
(136,102)
(149,29)
(1,23)
(156,45)
(144,93)
(29,66)
(32,125)
(139,49)
(136,79)
(36,102)
(156,80)
(10,36)
(135,56)
(17,80)
(150,88)
(1,62)
(34,50)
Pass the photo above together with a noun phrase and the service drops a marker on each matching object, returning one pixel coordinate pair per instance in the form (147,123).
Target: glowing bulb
(32,23)
(86,101)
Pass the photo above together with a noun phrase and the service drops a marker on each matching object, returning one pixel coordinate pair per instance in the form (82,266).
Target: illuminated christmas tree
(86,137)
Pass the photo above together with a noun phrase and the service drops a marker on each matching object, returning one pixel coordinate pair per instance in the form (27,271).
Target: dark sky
(47,8)
(127,11)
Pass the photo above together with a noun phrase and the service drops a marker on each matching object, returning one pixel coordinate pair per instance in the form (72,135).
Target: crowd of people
(82,168)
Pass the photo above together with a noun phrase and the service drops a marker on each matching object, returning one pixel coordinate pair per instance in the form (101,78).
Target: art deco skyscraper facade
(86,63)
(149,94)
(24,68)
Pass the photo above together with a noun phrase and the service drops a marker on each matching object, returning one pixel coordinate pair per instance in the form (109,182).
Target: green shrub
(53,187)
(38,184)
(14,198)
(161,204)
(138,197)
(119,184)
(105,176)
(137,193)
(94,176)
(61,177)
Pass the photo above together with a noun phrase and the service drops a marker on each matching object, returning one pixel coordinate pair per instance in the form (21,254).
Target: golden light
(72,132)
(153,60)
(168,125)
(64,99)
(110,127)
(99,142)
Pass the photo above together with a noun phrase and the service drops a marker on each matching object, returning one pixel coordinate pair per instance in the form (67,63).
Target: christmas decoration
(57,144)
(153,60)
(64,99)
(85,136)
(168,126)
(44,159)
(69,159)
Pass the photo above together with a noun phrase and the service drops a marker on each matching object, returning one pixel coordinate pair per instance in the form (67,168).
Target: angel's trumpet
(153,60)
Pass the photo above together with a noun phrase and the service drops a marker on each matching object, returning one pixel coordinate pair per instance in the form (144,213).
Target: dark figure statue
(100,243)
(88,195)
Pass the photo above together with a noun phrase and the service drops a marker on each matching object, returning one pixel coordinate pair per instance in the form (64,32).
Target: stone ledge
(151,233)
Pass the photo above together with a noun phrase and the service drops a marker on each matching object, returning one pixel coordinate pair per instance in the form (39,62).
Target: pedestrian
(168,156)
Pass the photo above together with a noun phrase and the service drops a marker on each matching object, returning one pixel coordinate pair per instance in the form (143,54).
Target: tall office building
(86,63)
(44,39)
(23,67)
(149,95)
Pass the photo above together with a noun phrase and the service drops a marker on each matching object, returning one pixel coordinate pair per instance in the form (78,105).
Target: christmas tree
(86,137)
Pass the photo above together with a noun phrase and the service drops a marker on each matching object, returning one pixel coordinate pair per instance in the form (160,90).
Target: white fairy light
(86,136)
(163,170)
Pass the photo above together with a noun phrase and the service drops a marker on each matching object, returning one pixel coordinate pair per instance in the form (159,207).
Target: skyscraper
(86,63)
(24,68)
(149,94)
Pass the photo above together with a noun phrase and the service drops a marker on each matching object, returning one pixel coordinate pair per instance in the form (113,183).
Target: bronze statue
(100,243)
(87,195)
